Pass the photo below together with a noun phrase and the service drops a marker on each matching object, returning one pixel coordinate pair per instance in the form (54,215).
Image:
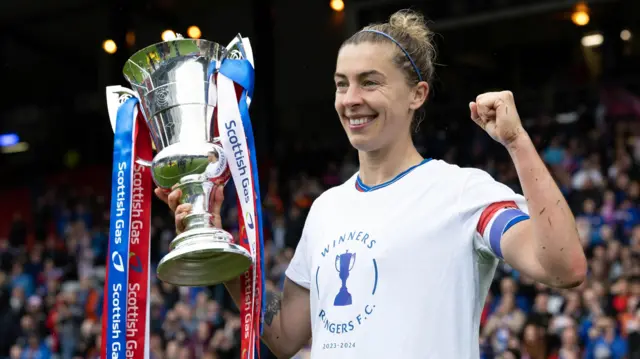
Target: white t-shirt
(415,267)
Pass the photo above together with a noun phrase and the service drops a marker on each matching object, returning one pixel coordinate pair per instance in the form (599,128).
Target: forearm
(557,245)
(272,334)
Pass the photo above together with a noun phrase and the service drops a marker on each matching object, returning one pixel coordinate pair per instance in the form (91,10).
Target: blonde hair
(409,30)
(416,53)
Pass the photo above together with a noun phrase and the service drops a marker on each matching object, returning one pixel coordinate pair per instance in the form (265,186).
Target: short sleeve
(299,269)
(488,209)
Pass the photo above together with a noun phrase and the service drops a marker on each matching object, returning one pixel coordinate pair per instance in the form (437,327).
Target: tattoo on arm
(273,306)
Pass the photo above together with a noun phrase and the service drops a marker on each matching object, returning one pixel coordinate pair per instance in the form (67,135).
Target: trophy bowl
(178,97)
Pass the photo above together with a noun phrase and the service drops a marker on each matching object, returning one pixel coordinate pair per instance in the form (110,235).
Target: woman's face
(373,100)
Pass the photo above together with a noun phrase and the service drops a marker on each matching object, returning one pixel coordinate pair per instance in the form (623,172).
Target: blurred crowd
(51,288)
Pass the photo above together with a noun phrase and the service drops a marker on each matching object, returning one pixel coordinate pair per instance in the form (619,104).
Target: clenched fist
(496,113)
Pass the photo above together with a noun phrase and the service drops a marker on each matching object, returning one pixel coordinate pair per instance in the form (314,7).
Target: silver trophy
(178,96)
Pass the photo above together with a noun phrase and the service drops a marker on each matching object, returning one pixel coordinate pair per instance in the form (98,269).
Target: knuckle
(183,209)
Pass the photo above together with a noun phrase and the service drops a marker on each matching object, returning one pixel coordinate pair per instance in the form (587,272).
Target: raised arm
(547,247)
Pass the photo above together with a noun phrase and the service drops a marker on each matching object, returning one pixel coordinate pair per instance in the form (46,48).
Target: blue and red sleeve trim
(496,220)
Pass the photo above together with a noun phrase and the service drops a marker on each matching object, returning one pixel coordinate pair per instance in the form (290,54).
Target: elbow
(579,268)
(285,353)
(282,348)
(278,351)
(575,274)
(572,281)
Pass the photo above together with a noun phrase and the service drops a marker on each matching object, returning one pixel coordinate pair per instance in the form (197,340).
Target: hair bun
(415,53)
(411,23)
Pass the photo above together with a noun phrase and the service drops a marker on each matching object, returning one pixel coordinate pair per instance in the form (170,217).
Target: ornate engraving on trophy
(162,96)
(235,54)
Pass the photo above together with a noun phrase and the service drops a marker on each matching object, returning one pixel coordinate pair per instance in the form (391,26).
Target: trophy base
(198,261)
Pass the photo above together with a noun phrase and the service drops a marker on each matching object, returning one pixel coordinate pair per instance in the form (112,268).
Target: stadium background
(576,94)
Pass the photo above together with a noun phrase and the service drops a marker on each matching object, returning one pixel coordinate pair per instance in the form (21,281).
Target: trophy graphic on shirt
(344,265)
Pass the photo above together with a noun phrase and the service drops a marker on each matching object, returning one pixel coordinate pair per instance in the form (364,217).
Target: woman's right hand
(182,210)
(173,200)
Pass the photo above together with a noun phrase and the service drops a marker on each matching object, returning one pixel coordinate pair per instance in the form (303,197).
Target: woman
(397,261)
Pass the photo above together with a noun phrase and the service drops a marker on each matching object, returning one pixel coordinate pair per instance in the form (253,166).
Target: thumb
(473,109)
(218,198)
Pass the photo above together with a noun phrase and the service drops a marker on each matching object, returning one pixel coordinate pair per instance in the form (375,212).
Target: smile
(360,122)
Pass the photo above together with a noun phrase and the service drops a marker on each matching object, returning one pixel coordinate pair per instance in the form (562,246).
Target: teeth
(359,120)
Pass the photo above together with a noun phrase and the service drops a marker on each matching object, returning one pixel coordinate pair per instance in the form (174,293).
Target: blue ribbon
(241,72)
(120,217)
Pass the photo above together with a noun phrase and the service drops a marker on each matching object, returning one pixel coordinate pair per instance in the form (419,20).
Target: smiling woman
(395,58)
(375,249)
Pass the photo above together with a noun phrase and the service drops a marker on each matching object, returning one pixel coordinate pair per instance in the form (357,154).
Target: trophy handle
(235,48)
(337,261)
(144,163)
(353,262)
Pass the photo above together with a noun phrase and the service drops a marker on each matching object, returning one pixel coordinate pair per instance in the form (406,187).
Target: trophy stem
(196,191)
(197,220)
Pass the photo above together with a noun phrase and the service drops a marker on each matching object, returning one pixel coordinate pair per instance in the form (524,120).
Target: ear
(419,95)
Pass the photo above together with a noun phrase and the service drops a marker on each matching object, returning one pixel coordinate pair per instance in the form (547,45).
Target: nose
(352,97)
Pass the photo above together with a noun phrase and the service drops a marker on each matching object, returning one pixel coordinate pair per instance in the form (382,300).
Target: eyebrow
(361,75)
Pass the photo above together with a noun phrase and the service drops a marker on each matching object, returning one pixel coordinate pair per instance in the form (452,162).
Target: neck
(382,165)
